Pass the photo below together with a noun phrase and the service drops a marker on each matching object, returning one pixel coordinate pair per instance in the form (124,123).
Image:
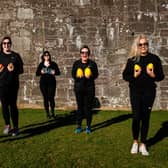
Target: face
(143,47)
(6,45)
(84,54)
(46,57)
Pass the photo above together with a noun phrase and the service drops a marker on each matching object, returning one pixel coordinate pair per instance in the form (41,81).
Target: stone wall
(62,26)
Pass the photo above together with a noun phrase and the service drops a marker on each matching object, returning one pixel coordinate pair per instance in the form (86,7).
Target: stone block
(25,13)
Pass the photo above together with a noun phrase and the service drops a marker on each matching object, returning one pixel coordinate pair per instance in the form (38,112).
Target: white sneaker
(143,150)
(6,130)
(134,149)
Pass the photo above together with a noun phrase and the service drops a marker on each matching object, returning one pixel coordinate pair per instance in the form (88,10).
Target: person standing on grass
(11,66)
(84,72)
(48,69)
(142,70)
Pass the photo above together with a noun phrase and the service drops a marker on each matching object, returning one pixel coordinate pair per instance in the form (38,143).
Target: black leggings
(84,102)
(9,105)
(48,92)
(141,103)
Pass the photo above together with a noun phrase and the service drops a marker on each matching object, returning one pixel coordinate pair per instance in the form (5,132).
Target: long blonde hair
(135,52)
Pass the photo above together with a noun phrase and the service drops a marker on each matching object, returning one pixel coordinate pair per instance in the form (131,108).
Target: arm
(128,73)
(95,73)
(158,70)
(18,67)
(39,68)
(73,71)
(56,68)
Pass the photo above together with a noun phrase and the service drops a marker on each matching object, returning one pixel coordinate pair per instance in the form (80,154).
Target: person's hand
(1,67)
(137,70)
(52,72)
(42,71)
(10,67)
(150,70)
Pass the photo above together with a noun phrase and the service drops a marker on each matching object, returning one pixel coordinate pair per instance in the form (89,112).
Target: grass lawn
(46,143)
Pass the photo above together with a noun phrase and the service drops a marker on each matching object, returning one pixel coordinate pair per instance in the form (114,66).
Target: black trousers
(141,102)
(48,91)
(9,105)
(84,100)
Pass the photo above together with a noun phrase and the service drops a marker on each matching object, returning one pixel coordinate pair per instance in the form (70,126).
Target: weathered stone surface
(63,26)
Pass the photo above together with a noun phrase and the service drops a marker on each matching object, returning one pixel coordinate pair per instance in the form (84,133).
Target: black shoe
(48,116)
(53,116)
(15,132)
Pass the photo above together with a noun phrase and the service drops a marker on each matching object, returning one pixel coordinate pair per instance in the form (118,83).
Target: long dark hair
(8,38)
(44,53)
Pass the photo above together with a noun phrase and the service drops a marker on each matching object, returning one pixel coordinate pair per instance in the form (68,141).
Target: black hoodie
(10,78)
(143,81)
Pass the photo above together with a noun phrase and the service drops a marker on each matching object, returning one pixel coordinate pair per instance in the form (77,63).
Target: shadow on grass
(160,135)
(43,127)
(111,121)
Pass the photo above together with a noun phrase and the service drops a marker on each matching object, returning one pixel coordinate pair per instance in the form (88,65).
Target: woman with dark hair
(84,72)
(142,70)
(11,66)
(48,69)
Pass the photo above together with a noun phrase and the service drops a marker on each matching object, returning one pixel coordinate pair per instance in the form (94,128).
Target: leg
(13,106)
(6,114)
(79,100)
(136,109)
(44,91)
(148,100)
(88,101)
(5,109)
(51,94)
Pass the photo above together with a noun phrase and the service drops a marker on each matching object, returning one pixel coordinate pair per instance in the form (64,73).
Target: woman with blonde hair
(142,70)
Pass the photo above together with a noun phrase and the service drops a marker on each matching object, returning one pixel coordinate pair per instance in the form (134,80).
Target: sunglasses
(143,44)
(6,43)
(84,52)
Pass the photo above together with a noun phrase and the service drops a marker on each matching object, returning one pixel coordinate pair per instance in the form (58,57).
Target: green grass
(46,143)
